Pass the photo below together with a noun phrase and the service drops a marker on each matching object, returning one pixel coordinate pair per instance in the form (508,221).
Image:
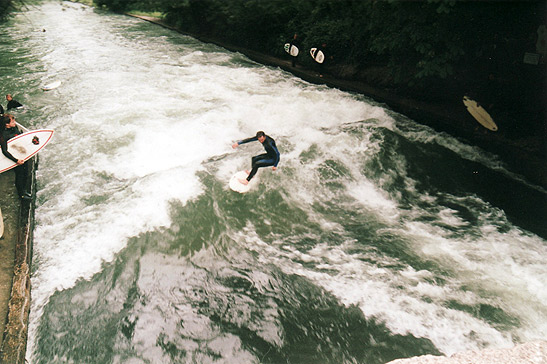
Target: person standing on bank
(12,103)
(270,158)
(295,41)
(8,130)
(321,65)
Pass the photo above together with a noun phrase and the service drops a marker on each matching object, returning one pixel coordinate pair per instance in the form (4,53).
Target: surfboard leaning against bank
(480,114)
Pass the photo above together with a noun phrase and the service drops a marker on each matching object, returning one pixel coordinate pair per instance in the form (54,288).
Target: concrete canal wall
(15,266)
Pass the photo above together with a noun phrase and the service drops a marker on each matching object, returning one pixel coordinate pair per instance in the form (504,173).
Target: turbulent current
(376,238)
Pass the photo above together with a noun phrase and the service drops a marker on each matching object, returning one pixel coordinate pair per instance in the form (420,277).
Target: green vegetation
(154,14)
(422,39)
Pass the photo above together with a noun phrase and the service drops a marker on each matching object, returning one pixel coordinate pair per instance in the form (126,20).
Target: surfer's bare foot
(243,182)
(246,171)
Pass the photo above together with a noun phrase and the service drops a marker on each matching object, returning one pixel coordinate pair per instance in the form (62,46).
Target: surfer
(12,103)
(270,158)
(8,130)
(295,41)
(321,65)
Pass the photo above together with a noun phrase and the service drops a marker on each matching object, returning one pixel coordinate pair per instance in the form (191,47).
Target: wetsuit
(4,145)
(294,42)
(20,171)
(13,104)
(321,66)
(270,158)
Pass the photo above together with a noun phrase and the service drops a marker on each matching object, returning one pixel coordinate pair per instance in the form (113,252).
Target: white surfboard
(480,114)
(291,49)
(318,56)
(1,224)
(237,186)
(25,146)
(52,86)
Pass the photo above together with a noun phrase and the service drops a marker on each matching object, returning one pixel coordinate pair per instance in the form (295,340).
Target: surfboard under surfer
(270,158)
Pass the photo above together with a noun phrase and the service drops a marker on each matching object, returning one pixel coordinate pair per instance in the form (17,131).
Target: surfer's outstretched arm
(248,140)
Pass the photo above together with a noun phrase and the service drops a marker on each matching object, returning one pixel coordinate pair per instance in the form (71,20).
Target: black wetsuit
(296,43)
(4,145)
(321,66)
(13,104)
(20,171)
(270,158)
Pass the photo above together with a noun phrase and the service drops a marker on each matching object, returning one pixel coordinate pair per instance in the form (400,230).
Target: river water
(377,238)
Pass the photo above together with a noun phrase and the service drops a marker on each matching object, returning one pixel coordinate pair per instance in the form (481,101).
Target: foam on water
(395,297)
(142,111)
(489,263)
(133,130)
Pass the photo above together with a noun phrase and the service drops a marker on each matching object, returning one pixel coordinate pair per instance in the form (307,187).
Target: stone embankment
(15,268)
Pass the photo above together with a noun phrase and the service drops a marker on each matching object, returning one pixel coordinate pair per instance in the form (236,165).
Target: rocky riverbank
(526,155)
